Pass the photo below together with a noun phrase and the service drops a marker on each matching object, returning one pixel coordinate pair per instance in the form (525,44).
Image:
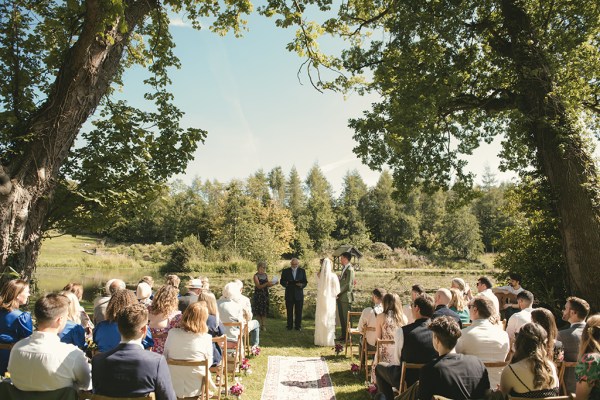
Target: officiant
(293,279)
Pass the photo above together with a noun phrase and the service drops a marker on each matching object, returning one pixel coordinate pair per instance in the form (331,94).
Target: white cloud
(178,21)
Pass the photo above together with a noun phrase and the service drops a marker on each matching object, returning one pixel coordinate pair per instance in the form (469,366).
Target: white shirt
(244,302)
(490,295)
(407,310)
(486,341)
(230,311)
(41,362)
(368,318)
(398,344)
(510,289)
(516,321)
(183,345)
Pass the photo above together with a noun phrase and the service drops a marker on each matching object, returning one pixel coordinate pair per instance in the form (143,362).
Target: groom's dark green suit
(346,297)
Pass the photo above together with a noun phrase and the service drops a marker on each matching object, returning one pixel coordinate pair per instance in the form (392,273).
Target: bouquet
(355,368)
(245,366)
(237,390)
(255,351)
(338,348)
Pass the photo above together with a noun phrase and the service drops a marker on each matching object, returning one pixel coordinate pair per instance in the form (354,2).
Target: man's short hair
(526,296)
(379,293)
(580,306)
(418,289)
(486,281)
(426,304)
(515,276)
(131,319)
(447,331)
(484,306)
(50,307)
(347,255)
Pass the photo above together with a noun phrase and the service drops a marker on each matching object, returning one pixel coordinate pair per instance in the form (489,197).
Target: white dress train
(328,287)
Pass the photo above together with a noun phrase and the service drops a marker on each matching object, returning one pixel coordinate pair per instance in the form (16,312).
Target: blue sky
(245,92)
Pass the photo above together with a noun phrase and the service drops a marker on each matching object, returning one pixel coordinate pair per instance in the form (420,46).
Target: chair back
(541,398)
(6,346)
(350,331)
(406,366)
(495,364)
(221,369)
(195,363)
(366,353)
(562,367)
(149,396)
(237,348)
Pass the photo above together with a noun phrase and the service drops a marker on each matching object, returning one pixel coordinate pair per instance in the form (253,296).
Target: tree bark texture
(27,182)
(562,156)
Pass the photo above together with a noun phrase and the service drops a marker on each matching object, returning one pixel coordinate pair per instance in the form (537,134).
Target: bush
(183,255)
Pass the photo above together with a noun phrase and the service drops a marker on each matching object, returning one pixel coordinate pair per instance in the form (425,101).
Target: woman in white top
(328,287)
(189,342)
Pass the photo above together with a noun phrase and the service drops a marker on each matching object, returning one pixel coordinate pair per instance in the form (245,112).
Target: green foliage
(461,237)
(532,246)
(319,210)
(183,253)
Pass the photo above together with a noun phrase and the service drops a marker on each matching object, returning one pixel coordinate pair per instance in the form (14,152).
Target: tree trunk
(27,182)
(562,156)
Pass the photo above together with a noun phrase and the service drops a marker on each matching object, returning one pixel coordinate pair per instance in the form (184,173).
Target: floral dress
(388,330)
(260,299)
(588,370)
(160,334)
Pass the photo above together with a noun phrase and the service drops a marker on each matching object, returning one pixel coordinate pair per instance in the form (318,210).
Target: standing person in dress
(328,287)
(163,315)
(587,371)
(294,281)
(346,297)
(260,306)
(14,323)
(386,326)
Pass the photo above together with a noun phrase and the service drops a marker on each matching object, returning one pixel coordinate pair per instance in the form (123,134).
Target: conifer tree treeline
(273,214)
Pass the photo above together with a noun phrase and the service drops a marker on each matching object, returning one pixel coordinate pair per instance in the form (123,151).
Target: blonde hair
(458,300)
(392,307)
(9,293)
(194,318)
(73,313)
(165,301)
(76,288)
(211,304)
(590,338)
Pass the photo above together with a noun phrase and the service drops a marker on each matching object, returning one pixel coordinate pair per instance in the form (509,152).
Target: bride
(328,287)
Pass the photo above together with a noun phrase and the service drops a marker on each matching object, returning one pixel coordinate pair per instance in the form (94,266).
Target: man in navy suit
(128,370)
(294,281)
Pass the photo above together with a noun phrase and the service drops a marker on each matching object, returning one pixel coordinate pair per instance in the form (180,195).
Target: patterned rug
(297,378)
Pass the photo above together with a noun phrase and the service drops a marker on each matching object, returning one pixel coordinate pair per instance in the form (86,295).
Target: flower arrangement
(355,368)
(245,366)
(237,389)
(372,389)
(255,351)
(338,348)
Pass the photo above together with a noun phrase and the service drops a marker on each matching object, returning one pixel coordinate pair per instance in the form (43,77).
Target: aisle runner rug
(297,378)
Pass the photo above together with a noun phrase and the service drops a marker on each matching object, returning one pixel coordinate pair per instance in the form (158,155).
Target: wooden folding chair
(195,363)
(149,396)
(562,367)
(466,324)
(540,398)
(235,348)
(366,353)
(247,339)
(220,370)
(406,366)
(351,331)
(495,364)
(6,346)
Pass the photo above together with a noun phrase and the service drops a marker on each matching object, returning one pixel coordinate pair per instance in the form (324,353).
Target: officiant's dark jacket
(292,291)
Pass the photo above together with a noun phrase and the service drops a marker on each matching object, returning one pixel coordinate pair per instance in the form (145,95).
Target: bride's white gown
(328,287)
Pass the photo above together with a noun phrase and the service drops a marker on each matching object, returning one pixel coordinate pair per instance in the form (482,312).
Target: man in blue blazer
(128,370)
(294,281)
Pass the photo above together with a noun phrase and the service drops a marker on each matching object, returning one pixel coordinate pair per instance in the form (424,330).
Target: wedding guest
(173,280)
(459,305)
(514,287)
(149,280)
(525,301)
(214,325)
(194,288)
(260,305)
(415,292)
(587,371)
(575,312)
(143,293)
(386,325)
(100,304)
(106,333)
(73,332)
(531,372)
(14,323)
(189,342)
(163,315)
(484,288)
(463,287)
(86,321)
(442,299)
(554,347)
(368,317)
(206,286)
(244,302)
(230,311)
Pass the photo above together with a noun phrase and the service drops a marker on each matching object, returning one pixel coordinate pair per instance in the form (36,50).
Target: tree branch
(499,100)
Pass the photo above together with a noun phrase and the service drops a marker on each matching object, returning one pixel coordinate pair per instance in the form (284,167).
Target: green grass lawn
(278,341)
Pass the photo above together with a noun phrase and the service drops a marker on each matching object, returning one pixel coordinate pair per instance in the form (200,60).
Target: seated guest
(164,315)
(73,332)
(525,301)
(100,304)
(513,288)
(86,321)
(575,312)
(587,371)
(415,291)
(214,325)
(451,375)
(230,311)
(531,372)
(413,344)
(368,318)
(106,333)
(244,302)
(484,339)
(14,323)
(442,299)
(194,288)
(386,325)
(545,318)
(143,293)
(458,304)
(189,342)
(463,288)
(484,288)
(150,281)
(41,362)
(128,370)
(173,280)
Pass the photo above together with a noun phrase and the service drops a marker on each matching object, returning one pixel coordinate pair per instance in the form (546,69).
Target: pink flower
(255,350)
(354,367)
(372,389)
(338,348)
(245,364)
(236,389)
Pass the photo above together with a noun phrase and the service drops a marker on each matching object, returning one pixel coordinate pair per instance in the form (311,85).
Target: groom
(346,297)
(294,281)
